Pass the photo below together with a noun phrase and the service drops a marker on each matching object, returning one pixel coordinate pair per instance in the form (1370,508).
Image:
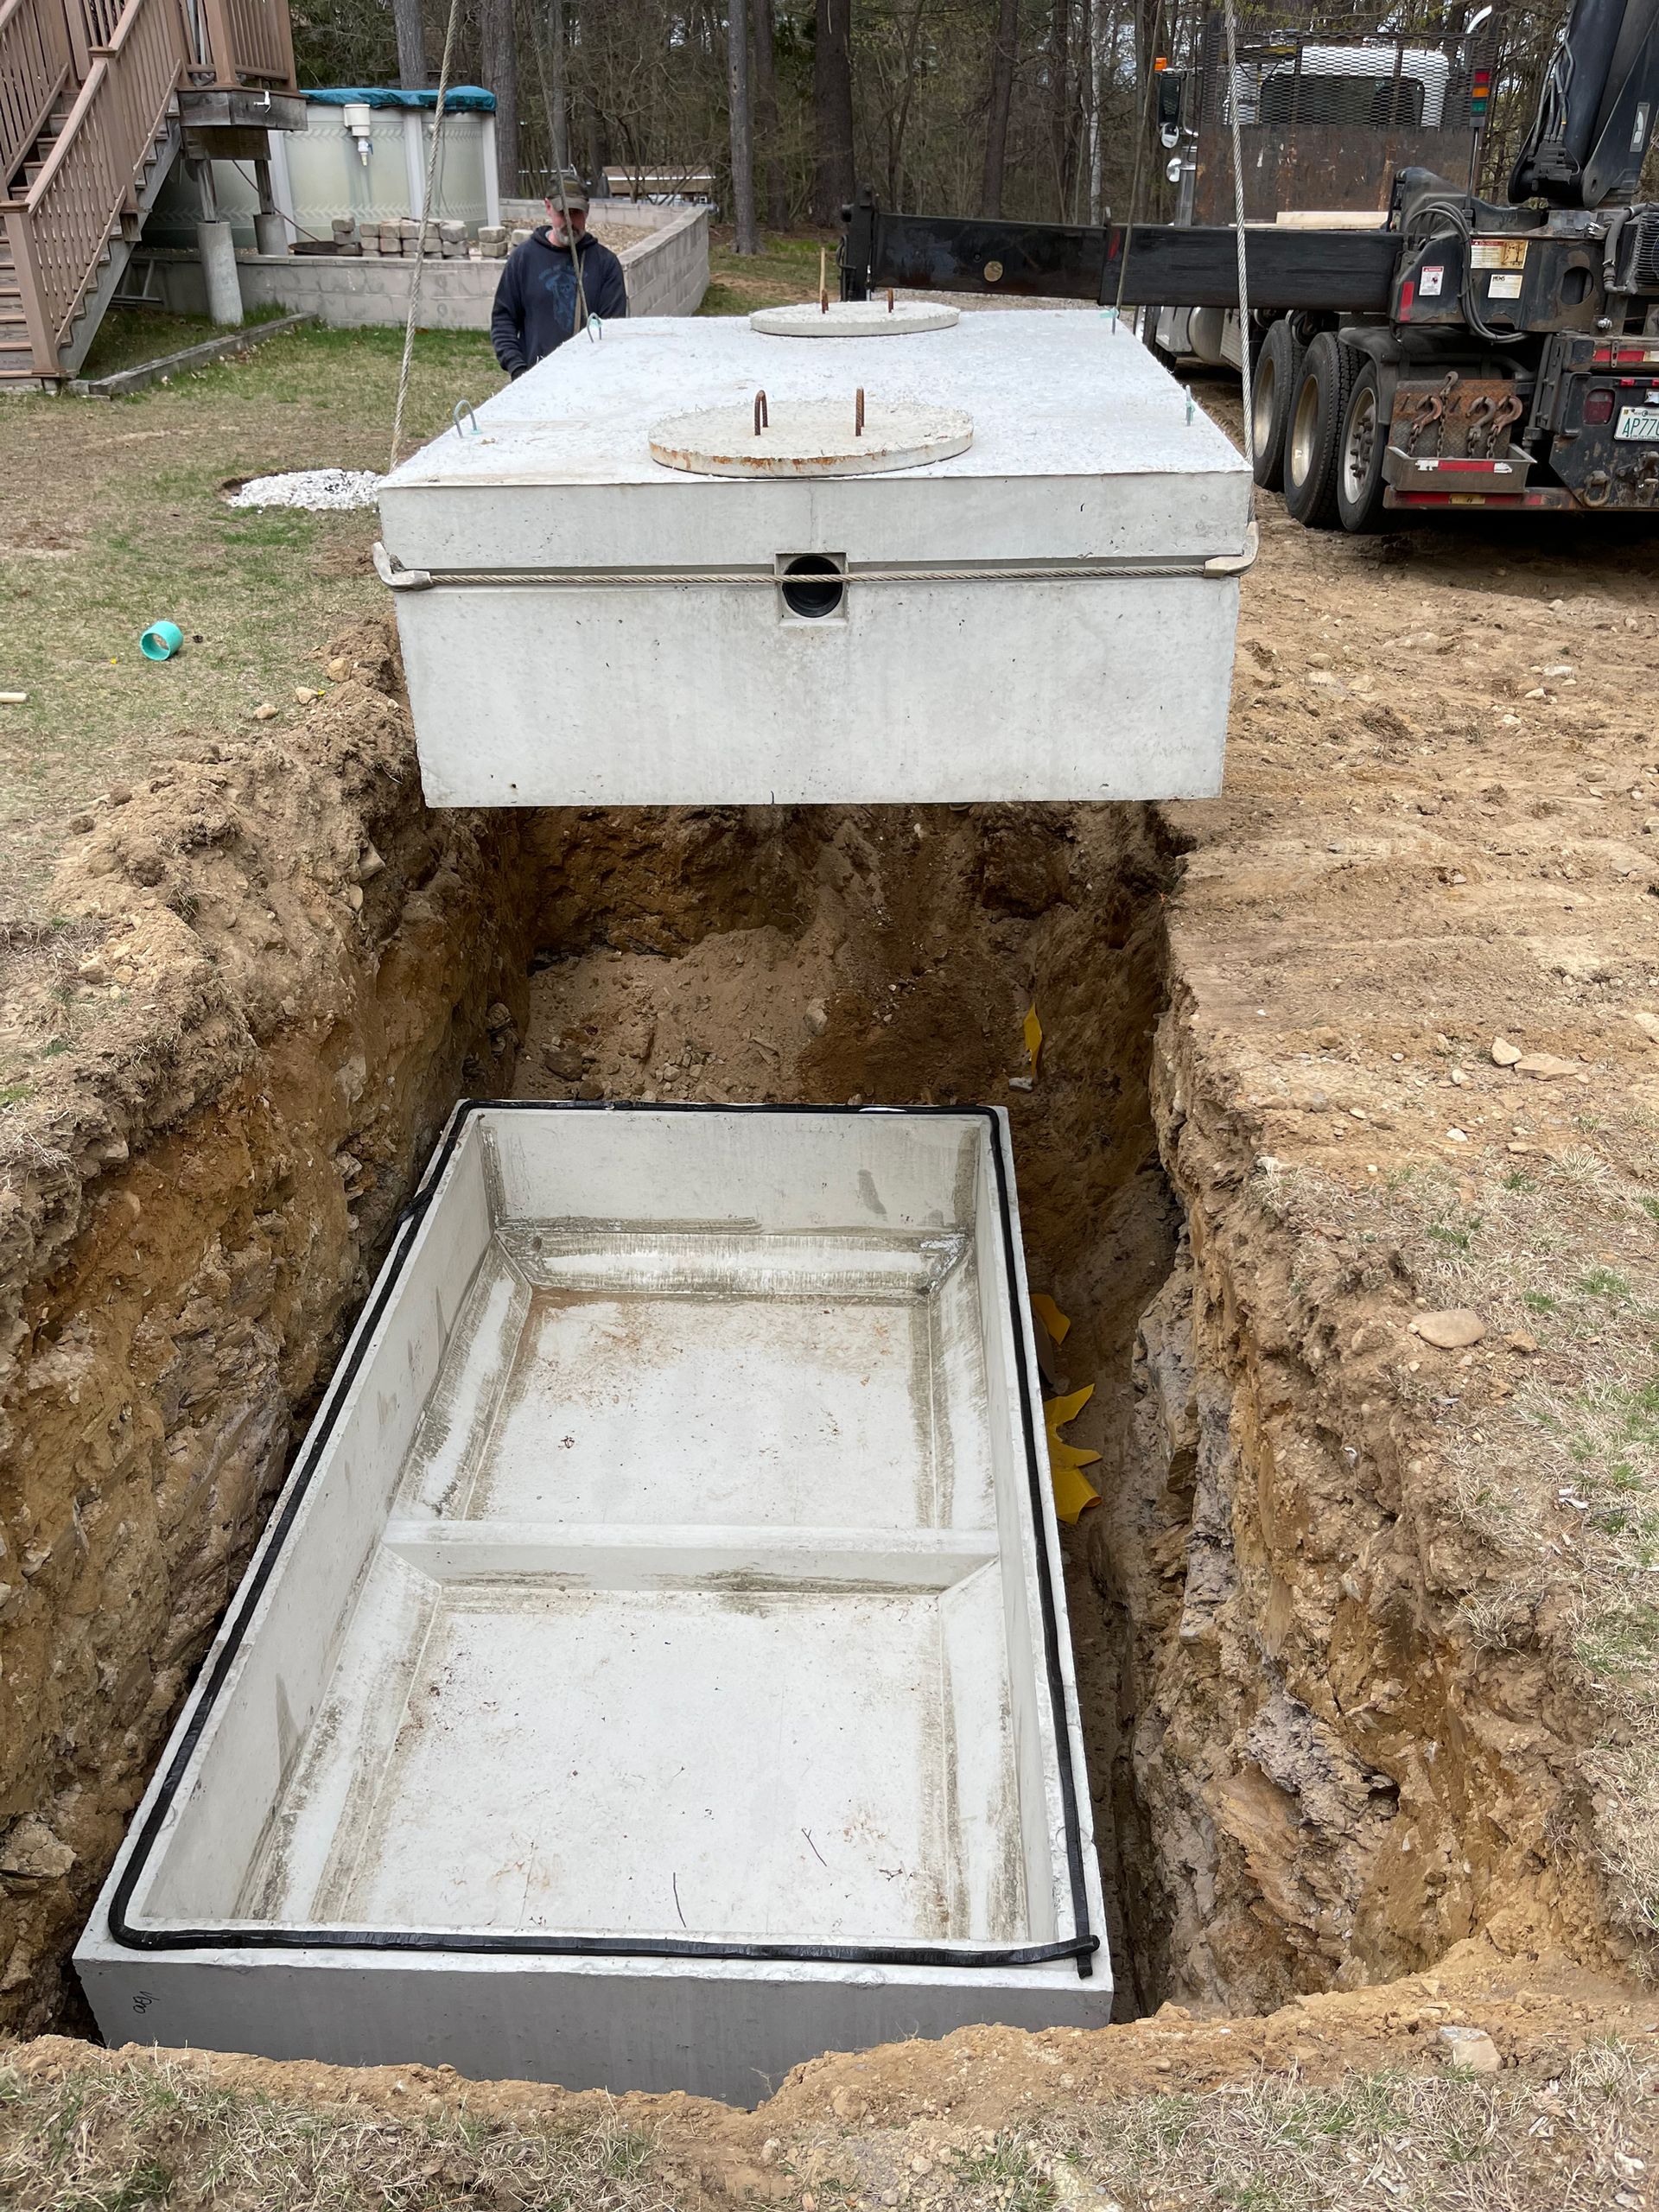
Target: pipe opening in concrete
(806,595)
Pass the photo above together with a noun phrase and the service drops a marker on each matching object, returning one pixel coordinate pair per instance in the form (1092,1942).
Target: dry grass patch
(1379,2143)
(1368,2142)
(125,2137)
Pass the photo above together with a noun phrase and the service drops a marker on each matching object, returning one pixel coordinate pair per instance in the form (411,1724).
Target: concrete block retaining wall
(667,273)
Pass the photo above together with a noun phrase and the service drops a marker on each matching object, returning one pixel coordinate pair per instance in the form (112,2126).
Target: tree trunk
(765,114)
(558,72)
(500,56)
(996,120)
(1060,105)
(747,237)
(411,45)
(1096,25)
(900,122)
(553,107)
(832,105)
(596,136)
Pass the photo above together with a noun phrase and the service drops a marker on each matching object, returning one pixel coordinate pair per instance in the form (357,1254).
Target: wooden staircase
(90,96)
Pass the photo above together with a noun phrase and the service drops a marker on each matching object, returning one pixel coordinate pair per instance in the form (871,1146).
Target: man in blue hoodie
(537,306)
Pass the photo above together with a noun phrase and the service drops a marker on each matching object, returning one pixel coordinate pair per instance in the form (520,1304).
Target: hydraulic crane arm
(1597,110)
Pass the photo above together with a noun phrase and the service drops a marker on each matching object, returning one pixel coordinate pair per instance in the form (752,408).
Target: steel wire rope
(1244,274)
(420,241)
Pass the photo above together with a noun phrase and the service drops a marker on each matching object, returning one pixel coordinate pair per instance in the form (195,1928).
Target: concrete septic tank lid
(854,319)
(823,437)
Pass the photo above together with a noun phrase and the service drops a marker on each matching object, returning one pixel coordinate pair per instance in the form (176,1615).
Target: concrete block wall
(667,273)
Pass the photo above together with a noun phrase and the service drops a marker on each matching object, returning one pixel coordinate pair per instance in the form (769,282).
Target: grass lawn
(114,517)
(127,337)
(785,269)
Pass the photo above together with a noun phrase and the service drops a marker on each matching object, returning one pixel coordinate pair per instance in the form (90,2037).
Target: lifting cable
(1238,226)
(420,242)
(586,320)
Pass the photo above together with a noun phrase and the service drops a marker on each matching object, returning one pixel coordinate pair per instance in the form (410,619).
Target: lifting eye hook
(762,419)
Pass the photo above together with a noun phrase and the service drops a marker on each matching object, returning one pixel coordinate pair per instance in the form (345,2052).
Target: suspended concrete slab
(656,1670)
(581,623)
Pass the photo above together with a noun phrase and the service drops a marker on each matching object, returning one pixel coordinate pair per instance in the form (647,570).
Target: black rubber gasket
(1081,1946)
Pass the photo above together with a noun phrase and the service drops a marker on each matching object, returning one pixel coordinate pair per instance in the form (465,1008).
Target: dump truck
(1465,353)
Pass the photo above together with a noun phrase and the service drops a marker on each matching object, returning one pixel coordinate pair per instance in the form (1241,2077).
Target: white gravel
(319,489)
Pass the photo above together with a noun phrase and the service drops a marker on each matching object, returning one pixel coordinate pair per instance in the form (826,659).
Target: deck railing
(102,19)
(37,64)
(58,232)
(252,42)
(116,65)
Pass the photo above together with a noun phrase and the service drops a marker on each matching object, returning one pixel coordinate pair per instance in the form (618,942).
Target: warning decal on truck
(1504,287)
(1498,253)
(1428,283)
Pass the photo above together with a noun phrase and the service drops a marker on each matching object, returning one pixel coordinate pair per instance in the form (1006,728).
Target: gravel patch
(318,489)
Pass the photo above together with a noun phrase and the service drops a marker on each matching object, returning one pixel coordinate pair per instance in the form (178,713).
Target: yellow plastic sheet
(1049,1314)
(1033,1035)
(1073,1492)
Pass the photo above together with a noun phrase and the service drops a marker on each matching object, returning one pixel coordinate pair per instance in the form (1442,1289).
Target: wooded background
(1017,107)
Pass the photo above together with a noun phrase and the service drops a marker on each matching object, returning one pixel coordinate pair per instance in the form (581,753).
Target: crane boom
(1596,110)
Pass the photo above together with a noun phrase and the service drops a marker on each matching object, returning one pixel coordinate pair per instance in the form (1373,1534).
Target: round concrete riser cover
(854,319)
(812,438)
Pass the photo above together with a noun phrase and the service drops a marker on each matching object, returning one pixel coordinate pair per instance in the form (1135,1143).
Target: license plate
(1637,423)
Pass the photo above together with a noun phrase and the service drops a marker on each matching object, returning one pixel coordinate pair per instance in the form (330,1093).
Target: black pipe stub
(813,585)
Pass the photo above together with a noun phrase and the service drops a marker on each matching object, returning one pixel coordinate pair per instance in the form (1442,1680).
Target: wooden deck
(91,93)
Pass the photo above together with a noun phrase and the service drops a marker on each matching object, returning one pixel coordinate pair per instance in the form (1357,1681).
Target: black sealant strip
(1082,1945)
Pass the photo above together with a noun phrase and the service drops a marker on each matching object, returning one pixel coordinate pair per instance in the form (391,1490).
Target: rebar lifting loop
(858,414)
(762,419)
(890,302)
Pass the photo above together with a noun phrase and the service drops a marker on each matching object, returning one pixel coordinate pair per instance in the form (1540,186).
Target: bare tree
(411,45)
(1001,102)
(558,87)
(1060,141)
(832,106)
(765,113)
(499,52)
(747,237)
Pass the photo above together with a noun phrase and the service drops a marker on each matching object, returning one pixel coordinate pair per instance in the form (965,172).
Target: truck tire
(1359,454)
(1278,371)
(1314,433)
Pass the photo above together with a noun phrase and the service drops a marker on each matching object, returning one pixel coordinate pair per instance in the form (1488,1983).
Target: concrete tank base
(656,1671)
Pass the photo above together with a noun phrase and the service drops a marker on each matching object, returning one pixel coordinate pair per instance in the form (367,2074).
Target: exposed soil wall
(279,974)
(1330,1776)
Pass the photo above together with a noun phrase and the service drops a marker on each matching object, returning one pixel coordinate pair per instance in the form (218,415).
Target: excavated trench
(1292,1787)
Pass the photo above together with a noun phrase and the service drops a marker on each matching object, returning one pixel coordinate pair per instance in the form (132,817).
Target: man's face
(556,222)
